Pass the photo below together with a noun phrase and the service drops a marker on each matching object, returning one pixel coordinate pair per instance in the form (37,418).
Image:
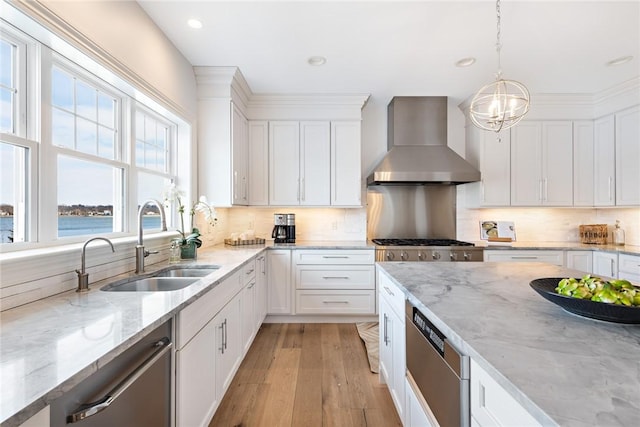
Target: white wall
(126,32)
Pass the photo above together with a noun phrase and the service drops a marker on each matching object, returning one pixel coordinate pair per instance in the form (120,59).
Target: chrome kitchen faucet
(141,253)
(83,277)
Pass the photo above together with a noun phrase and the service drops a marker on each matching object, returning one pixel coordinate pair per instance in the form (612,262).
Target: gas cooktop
(420,242)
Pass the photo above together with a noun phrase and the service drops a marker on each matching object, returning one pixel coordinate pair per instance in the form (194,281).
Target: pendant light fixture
(503,103)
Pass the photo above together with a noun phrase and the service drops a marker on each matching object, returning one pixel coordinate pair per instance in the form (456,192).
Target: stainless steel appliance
(134,389)
(426,250)
(437,371)
(284,228)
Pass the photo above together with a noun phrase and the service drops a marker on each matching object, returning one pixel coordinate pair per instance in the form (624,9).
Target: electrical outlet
(334,225)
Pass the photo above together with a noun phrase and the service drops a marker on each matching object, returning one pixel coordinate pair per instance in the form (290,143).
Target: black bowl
(595,310)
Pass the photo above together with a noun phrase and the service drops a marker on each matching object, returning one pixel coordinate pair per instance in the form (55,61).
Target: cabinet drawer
(248,272)
(335,302)
(320,256)
(195,316)
(391,293)
(629,268)
(552,257)
(335,277)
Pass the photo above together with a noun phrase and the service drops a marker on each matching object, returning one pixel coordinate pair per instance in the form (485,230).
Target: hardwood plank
(306,375)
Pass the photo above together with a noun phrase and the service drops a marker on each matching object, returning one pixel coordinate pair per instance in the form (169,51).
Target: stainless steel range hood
(417,141)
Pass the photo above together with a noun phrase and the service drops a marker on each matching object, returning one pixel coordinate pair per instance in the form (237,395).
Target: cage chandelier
(502,103)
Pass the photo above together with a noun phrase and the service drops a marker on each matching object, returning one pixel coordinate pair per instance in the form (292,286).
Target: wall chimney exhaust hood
(417,141)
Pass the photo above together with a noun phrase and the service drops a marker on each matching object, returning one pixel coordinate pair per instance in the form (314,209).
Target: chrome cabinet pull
(523,257)
(386,335)
(335,257)
(91,409)
(336,277)
(335,302)
(386,288)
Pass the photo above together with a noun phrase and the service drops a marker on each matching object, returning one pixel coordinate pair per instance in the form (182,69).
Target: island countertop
(564,369)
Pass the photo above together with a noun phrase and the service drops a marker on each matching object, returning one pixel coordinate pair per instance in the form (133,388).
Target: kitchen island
(562,368)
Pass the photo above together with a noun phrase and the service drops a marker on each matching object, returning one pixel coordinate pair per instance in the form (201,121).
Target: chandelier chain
(498,40)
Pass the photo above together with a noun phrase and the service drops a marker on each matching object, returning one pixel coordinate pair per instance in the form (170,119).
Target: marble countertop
(48,346)
(564,369)
(560,246)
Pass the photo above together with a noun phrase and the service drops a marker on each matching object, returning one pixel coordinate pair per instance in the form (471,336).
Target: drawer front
(391,293)
(195,316)
(551,257)
(321,256)
(628,264)
(335,277)
(248,272)
(335,302)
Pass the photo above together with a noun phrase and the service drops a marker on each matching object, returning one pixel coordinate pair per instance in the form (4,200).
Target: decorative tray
(582,307)
(238,242)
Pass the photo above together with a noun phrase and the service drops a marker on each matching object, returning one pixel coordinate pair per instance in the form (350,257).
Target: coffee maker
(284,228)
(279,232)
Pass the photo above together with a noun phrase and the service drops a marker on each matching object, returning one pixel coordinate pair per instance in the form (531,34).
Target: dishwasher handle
(89,409)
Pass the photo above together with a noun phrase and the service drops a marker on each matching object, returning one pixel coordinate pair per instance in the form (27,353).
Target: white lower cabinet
(227,357)
(491,405)
(516,255)
(605,264)
(579,260)
(392,340)
(279,294)
(629,268)
(335,281)
(261,290)
(414,414)
(248,305)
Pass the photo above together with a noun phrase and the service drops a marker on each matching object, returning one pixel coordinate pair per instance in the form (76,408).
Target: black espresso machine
(284,228)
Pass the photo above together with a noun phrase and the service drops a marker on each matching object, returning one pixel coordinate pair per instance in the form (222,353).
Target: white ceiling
(389,48)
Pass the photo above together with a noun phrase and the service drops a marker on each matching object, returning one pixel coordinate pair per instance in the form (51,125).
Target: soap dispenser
(618,234)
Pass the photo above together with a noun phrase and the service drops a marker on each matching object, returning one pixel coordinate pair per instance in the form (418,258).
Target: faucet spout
(141,253)
(83,276)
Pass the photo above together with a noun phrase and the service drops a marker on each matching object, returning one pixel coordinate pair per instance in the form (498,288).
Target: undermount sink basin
(151,284)
(182,271)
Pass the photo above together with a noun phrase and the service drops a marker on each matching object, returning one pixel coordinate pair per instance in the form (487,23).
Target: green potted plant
(189,243)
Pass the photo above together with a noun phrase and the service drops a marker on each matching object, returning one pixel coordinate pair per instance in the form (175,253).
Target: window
(102,148)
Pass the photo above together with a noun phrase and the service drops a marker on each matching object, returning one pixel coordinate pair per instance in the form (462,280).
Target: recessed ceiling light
(194,23)
(317,60)
(619,61)
(465,62)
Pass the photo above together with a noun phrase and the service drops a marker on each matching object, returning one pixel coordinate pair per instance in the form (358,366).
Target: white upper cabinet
(258,163)
(239,158)
(346,175)
(604,155)
(315,154)
(627,154)
(284,163)
(583,165)
(542,164)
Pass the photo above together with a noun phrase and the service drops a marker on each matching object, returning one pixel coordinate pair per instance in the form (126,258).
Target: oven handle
(90,409)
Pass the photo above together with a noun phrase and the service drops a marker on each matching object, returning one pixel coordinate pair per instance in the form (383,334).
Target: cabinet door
(258,163)
(605,264)
(314,163)
(583,165)
(248,315)
(227,345)
(526,160)
(261,290)
(629,268)
(604,170)
(284,163)
(240,159)
(196,398)
(628,157)
(557,163)
(392,354)
(346,175)
(414,415)
(279,285)
(386,352)
(495,167)
(579,260)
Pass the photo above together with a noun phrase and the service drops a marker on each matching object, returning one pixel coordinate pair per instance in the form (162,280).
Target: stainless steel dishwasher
(133,390)
(437,370)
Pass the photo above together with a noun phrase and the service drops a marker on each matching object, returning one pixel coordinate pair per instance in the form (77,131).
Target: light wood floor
(306,375)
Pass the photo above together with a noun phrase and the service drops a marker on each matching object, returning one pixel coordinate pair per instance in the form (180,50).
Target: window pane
(151,187)
(86,197)
(62,129)
(86,101)
(105,143)
(62,89)
(106,110)
(86,136)
(139,126)
(13,191)
(7,86)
